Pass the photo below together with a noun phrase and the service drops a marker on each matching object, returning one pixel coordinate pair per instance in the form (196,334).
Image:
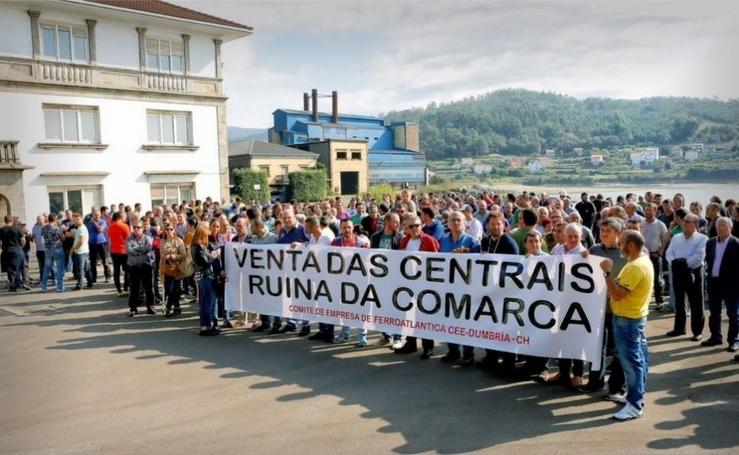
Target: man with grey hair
(722,262)
(685,256)
(587,238)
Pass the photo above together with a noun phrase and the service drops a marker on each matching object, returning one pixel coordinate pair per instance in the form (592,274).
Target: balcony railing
(83,75)
(8,152)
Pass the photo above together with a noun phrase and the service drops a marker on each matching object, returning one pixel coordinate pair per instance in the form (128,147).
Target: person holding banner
(320,234)
(630,294)
(347,239)
(260,236)
(571,246)
(496,241)
(388,238)
(610,230)
(292,233)
(416,240)
(457,241)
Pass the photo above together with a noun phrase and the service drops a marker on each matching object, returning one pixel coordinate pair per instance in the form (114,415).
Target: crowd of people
(653,248)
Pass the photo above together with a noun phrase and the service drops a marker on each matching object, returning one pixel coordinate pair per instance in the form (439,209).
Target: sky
(391,55)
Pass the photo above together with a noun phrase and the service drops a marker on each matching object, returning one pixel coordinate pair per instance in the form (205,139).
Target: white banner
(547,306)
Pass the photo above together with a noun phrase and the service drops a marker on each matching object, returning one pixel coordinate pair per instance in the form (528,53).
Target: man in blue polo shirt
(458,242)
(292,232)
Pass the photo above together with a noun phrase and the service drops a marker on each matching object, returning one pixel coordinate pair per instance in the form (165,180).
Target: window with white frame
(171,193)
(165,56)
(168,128)
(64,42)
(74,124)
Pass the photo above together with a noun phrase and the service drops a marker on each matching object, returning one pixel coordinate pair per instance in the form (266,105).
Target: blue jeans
(207,297)
(81,263)
(54,260)
(631,349)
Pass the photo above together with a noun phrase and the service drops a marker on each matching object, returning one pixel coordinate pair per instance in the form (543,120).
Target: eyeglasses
(414,225)
(137,227)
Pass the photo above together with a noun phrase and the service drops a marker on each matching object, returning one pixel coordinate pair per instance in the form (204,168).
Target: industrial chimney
(306,102)
(334,107)
(314,96)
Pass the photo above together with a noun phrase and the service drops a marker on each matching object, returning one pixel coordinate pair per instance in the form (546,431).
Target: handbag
(170,269)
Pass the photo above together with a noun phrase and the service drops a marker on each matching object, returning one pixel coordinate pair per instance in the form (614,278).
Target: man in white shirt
(320,233)
(474,228)
(685,256)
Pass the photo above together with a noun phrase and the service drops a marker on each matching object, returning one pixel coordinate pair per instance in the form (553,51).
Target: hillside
(526,122)
(236,133)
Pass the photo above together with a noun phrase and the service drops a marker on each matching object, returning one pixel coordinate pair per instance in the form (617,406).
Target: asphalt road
(79,377)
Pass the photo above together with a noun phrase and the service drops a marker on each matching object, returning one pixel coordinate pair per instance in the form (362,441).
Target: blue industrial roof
(343,125)
(293,111)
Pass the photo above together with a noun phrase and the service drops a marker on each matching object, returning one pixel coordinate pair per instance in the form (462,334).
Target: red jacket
(118,232)
(428,243)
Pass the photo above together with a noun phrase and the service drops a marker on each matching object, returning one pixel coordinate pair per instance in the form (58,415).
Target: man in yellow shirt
(630,294)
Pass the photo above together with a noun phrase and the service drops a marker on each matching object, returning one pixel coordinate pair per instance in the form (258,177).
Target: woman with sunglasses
(171,266)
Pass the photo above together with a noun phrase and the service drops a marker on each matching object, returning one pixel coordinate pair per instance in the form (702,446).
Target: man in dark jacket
(496,241)
(722,261)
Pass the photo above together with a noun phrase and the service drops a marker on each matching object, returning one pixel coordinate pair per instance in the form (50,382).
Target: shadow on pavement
(434,407)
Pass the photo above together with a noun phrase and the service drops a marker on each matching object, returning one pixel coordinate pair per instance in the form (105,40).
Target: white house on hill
(108,101)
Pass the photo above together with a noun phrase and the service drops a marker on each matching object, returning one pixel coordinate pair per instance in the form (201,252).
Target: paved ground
(78,376)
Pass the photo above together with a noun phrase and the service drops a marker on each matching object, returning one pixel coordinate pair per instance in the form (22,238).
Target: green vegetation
(524,122)
(250,184)
(307,185)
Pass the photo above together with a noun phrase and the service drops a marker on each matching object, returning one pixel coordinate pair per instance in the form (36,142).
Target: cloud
(389,55)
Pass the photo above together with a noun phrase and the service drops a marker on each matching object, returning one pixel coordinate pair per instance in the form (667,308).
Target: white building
(692,155)
(596,160)
(537,165)
(467,162)
(482,169)
(110,101)
(549,153)
(647,155)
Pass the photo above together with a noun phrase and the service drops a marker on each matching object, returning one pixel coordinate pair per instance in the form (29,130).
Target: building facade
(112,101)
(277,161)
(346,161)
(393,148)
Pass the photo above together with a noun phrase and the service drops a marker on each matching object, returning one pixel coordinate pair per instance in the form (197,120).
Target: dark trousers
(577,367)
(14,258)
(141,276)
(172,292)
(327,330)
(119,263)
(98,252)
(715,297)
(492,356)
(427,345)
(468,352)
(41,258)
(616,379)
(688,282)
(657,266)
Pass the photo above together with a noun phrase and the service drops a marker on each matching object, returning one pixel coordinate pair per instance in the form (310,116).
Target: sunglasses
(414,225)
(137,227)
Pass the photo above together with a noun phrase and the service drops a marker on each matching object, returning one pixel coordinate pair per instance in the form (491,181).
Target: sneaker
(338,339)
(362,342)
(616,397)
(628,412)
(397,345)
(305,330)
